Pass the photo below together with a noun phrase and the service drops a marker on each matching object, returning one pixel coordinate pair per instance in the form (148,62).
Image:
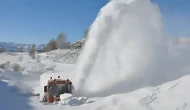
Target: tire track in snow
(182,107)
(174,86)
(146,101)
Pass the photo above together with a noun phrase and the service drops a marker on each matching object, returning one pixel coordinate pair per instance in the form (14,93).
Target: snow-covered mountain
(13,47)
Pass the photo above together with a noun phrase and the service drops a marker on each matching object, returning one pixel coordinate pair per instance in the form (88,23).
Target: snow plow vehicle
(56,87)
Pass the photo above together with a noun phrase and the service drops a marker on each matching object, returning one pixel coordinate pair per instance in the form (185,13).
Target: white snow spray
(126,50)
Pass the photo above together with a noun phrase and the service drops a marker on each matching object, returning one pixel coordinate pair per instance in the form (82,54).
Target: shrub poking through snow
(16,67)
(33,51)
(5,65)
(38,59)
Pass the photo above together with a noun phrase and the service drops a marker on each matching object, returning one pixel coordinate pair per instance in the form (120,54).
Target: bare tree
(20,49)
(62,42)
(86,33)
(33,51)
(3,49)
(29,48)
(5,65)
(50,46)
(16,67)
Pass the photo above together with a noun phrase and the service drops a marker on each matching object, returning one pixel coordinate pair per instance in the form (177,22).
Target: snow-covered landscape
(127,63)
(21,89)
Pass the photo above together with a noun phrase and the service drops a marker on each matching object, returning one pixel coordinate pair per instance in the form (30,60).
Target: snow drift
(68,99)
(10,100)
(127,49)
(67,56)
(169,96)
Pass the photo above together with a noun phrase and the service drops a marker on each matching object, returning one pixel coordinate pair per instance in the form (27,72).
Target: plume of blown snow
(126,49)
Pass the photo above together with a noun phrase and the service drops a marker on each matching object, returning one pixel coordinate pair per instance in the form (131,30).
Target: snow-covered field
(19,89)
(64,56)
(127,64)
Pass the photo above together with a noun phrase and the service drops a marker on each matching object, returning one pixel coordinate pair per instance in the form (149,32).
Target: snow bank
(65,96)
(10,100)
(25,84)
(66,56)
(68,99)
(173,95)
(6,57)
(127,49)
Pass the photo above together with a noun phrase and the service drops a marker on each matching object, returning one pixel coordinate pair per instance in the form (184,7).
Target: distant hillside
(13,47)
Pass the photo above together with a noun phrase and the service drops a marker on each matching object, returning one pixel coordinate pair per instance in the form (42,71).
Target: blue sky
(38,21)
(176,17)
